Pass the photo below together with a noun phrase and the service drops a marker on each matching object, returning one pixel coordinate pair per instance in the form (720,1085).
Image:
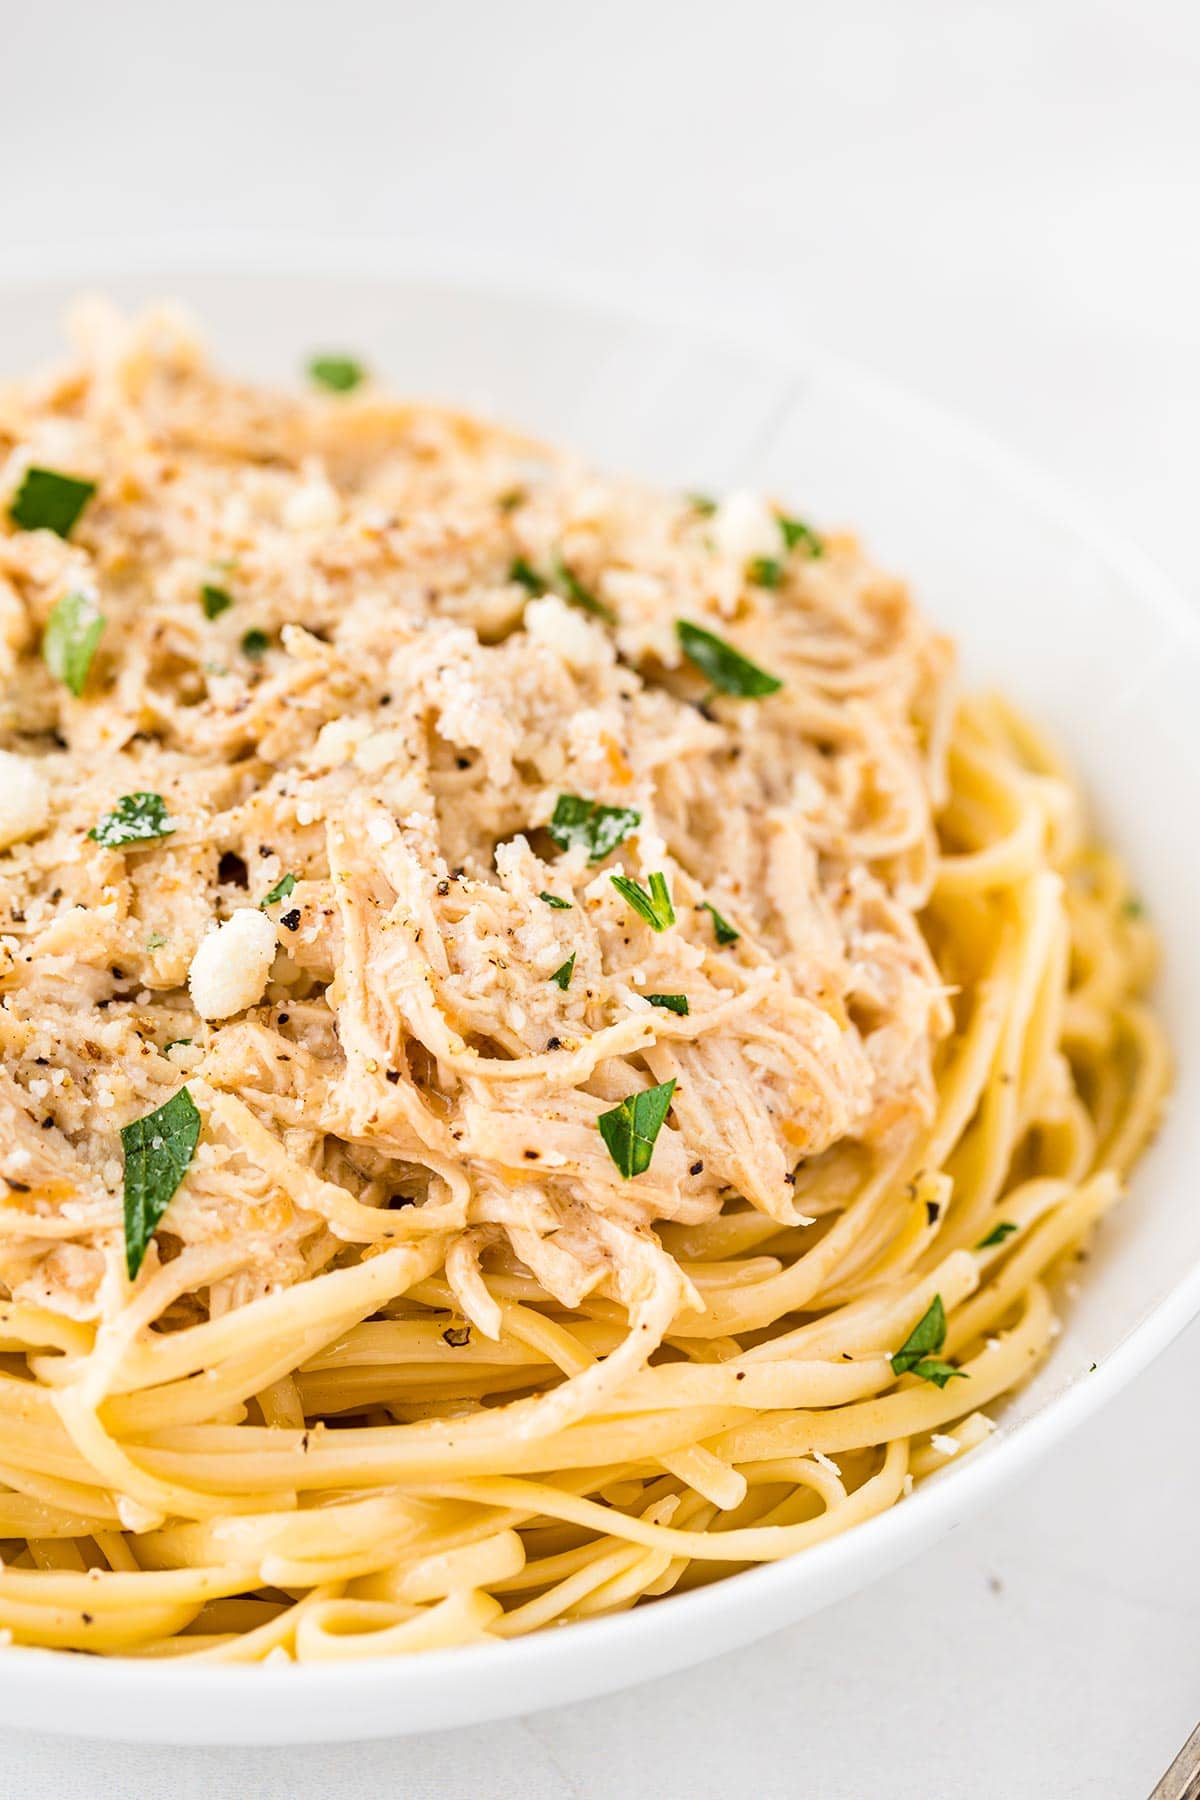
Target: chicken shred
(383,713)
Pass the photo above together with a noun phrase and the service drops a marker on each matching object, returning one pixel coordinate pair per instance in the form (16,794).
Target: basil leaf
(918,1352)
(725,667)
(630,1129)
(704,504)
(930,1369)
(528,577)
(795,531)
(255,644)
(158,1149)
(927,1335)
(562,976)
(676,1003)
(214,600)
(765,571)
(997,1234)
(69,641)
(576,594)
(48,501)
(723,931)
(135,819)
(280,891)
(337,373)
(556,901)
(598,828)
(655,907)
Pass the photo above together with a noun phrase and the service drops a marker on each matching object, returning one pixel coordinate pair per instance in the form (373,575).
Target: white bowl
(1075,625)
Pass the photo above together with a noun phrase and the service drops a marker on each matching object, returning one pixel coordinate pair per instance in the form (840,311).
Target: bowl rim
(723,1615)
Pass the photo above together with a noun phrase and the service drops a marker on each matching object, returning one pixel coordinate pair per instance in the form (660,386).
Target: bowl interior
(1073,625)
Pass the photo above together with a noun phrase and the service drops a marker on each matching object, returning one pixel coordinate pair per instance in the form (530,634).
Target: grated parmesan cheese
(229,971)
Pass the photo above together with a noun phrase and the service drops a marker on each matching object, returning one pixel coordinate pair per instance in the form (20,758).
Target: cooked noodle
(409,1359)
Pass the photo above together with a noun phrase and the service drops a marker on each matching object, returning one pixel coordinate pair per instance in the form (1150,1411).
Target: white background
(994,203)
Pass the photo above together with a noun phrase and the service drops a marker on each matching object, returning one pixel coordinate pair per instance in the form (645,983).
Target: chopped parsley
(723,931)
(573,591)
(173,1042)
(765,571)
(526,576)
(676,1003)
(630,1129)
(69,641)
(918,1353)
(135,819)
(158,1149)
(724,666)
(704,504)
(280,891)
(340,374)
(214,600)
(562,975)
(511,499)
(795,532)
(997,1234)
(655,907)
(599,829)
(255,644)
(563,582)
(1133,908)
(155,941)
(555,900)
(48,501)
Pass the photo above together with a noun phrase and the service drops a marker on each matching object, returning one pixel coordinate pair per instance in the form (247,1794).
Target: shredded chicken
(385,713)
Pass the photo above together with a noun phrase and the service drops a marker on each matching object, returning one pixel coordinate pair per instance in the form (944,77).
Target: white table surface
(992,201)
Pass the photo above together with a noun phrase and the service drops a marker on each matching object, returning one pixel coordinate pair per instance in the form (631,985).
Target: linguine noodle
(409,1233)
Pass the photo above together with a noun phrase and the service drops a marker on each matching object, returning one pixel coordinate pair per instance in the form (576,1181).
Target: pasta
(549,1054)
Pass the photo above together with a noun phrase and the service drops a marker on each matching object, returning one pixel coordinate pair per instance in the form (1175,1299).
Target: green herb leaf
(48,501)
(574,591)
(931,1369)
(255,644)
(918,1352)
(171,1045)
(214,600)
(69,642)
(676,1003)
(562,976)
(630,1129)
(723,931)
(511,499)
(997,1234)
(655,907)
(135,819)
(724,666)
(795,531)
(158,1150)
(598,828)
(527,576)
(704,504)
(1134,908)
(556,901)
(337,373)
(280,891)
(765,571)
(155,941)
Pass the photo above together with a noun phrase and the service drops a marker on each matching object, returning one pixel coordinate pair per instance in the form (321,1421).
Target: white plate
(1071,622)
